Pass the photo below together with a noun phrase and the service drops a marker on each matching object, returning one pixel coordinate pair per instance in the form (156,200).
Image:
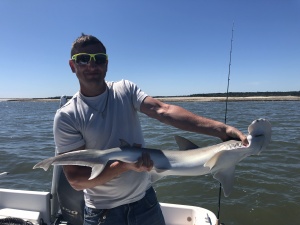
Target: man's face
(92,74)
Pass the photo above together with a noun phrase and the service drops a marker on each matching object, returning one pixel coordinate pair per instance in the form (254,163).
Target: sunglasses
(85,58)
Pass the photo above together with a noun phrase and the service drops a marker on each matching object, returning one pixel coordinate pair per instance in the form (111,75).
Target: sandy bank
(28,100)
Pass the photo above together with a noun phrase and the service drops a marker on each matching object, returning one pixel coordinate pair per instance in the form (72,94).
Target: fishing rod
(225,119)
(229,66)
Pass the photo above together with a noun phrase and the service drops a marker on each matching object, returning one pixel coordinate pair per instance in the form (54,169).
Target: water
(266,189)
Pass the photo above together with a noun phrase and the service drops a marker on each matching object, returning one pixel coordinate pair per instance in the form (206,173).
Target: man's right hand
(144,164)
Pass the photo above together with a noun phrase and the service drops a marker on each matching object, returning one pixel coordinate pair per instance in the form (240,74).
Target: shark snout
(260,127)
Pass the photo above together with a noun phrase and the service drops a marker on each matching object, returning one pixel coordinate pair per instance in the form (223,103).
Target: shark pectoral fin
(155,176)
(96,170)
(226,178)
(222,165)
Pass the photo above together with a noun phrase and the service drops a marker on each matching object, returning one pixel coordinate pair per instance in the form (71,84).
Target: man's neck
(93,91)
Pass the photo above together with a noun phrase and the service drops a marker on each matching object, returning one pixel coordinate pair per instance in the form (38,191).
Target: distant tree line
(242,94)
(249,94)
(58,97)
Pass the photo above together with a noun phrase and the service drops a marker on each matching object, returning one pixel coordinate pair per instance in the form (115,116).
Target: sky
(166,47)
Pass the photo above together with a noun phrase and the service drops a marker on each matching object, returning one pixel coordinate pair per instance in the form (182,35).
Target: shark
(219,160)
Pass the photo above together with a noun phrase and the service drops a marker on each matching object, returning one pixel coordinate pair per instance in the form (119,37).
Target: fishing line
(225,119)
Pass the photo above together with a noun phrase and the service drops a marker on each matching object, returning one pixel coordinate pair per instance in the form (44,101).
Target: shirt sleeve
(137,94)
(66,133)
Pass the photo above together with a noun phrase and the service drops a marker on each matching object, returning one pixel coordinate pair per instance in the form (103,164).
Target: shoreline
(230,99)
(180,99)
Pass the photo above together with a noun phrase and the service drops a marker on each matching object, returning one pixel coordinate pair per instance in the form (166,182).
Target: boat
(64,205)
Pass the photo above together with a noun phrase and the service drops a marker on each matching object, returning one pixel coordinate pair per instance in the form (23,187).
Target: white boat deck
(34,206)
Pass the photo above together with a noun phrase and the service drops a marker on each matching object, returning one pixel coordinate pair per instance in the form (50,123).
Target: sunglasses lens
(100,59)
(83,59)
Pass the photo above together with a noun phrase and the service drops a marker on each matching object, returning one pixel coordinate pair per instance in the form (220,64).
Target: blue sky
(167,47)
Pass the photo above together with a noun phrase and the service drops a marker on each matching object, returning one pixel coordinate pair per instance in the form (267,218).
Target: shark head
(222,164)
(260,128)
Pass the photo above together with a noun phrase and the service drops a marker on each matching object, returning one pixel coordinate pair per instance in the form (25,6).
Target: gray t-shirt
(99,123)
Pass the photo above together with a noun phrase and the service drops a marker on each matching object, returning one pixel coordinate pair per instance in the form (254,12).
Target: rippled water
(266,189)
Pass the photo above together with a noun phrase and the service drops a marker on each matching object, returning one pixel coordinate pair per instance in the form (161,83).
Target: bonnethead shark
(219,160)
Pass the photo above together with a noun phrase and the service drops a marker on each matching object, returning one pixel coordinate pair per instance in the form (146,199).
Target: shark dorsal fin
(123,143)
(184,144)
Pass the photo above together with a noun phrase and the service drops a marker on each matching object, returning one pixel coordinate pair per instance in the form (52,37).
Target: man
(101,114)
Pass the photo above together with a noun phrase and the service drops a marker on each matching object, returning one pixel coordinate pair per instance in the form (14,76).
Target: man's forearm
(78,176)
(183,119)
